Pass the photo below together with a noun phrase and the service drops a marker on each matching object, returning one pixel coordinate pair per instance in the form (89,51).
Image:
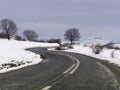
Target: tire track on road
(67,72)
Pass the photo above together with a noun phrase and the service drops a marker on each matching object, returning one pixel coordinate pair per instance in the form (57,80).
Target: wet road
(61,71)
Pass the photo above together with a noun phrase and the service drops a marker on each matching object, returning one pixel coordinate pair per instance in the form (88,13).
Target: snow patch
(14,56)
(86,48)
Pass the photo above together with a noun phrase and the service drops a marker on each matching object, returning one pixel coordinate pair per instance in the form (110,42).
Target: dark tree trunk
(71,42)
(8,37)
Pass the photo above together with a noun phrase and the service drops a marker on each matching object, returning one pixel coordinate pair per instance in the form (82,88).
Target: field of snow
(86,48)
(13,55)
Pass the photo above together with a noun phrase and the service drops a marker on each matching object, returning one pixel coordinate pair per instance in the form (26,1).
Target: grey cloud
(47,16)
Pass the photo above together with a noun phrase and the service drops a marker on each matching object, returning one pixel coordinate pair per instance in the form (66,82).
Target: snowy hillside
(13,56)
(93,42)
(100,49)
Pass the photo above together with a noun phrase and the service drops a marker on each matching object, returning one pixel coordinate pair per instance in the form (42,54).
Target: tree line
(9,30)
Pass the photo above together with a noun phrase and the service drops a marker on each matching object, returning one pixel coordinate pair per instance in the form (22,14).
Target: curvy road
(61,71)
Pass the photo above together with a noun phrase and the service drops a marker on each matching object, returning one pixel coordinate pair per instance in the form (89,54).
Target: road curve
(61,71)
(68,71)
(41,76)
(92,74)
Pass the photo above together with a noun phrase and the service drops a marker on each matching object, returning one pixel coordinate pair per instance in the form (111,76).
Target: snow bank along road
(61,71)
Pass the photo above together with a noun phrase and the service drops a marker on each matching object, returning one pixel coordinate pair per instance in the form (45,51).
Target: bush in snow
(70,47)
(42,41)
(43,56)
(19,38)
(53,40)
(3,35)
(97,49)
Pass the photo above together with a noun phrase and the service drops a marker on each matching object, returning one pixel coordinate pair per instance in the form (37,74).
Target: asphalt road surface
(61,71)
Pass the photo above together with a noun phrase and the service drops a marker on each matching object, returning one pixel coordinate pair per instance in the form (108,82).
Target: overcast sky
(50,18)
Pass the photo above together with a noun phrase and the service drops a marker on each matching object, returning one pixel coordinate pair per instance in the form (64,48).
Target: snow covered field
(13,56)
(110,54)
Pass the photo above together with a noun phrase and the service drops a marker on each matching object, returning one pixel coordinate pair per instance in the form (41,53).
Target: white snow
(13,52)
(86,48)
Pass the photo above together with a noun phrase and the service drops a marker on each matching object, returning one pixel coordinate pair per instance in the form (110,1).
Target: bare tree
(54,40)
(9,27)
(30,35)
(72,35)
